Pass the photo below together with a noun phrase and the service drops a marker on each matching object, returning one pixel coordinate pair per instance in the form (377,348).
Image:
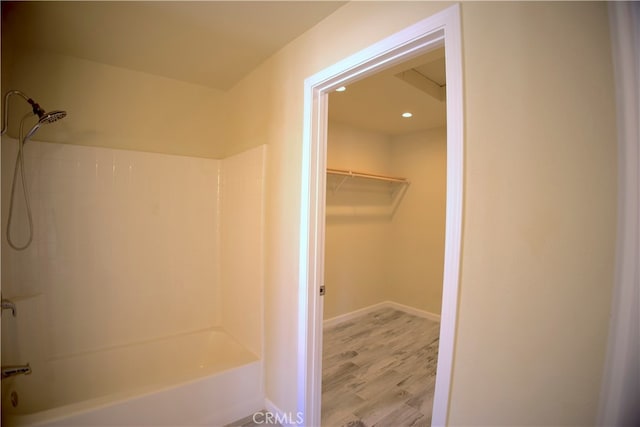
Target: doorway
(384,245)
(442,28)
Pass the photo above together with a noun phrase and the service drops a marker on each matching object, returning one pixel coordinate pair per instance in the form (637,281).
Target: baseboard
(390,304)
(235,412)
(278,416)
(414,311)
(271,407)
(353,314)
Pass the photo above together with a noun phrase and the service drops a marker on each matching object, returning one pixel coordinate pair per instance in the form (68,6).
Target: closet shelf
(343,175)
(353,174)
(363,194)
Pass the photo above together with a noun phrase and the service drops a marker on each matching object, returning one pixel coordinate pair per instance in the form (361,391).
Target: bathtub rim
(54,415)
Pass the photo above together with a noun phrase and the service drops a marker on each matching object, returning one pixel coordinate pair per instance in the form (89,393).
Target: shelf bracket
(339,184)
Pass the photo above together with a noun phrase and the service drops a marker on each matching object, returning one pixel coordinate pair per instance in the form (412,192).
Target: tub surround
(127,254)
(242,189)
(208,400)
(215,379)
(125,246)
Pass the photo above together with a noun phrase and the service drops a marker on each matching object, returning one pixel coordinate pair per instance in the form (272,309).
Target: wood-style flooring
(379,370)
(251,421)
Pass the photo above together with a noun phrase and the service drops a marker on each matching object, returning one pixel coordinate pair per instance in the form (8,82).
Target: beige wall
(373,255)
(266,107)
(117,108)
(356,253)
(539,210)
(416,252)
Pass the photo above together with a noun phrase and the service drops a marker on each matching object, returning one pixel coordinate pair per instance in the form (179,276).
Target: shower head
(45,118)
(52,116)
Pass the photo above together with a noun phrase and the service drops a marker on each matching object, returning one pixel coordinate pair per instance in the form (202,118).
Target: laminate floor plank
(255,420)
(379,369)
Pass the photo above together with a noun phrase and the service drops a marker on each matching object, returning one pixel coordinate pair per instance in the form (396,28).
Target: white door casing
(620,388)
(441,28)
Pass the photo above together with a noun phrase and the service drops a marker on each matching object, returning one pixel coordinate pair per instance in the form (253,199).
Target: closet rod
(365,175)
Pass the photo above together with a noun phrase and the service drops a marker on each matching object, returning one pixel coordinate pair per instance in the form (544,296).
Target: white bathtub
(202,378)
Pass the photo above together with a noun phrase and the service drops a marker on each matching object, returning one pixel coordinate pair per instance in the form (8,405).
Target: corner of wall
(242,246)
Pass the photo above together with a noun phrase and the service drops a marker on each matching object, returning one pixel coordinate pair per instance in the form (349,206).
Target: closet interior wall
(372,258)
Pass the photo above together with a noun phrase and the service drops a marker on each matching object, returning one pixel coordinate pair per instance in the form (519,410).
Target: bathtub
(201,378)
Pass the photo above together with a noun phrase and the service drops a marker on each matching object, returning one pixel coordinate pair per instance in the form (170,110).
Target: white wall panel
(125,245)
(242,250)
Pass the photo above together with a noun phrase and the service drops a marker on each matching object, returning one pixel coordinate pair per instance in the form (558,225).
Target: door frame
(440,29)
(619,391)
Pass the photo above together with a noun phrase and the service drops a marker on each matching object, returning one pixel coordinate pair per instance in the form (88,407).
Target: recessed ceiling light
(407,115)
(341,89)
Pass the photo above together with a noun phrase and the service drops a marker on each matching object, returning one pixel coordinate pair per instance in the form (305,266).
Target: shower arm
(37,110)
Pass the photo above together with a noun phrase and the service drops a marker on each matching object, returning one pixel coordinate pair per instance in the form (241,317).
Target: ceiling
(217,43)
(209,43)
(376,103)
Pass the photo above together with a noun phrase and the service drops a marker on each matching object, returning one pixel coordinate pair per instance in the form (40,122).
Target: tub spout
(8,305)
(11,371)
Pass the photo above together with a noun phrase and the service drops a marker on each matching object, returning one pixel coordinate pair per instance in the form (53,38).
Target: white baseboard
(353,314)
(414,311)
(278,416)
(390,304)
(271,407)
(224,416)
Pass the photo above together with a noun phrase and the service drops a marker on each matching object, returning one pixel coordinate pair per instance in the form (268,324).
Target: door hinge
(322,290)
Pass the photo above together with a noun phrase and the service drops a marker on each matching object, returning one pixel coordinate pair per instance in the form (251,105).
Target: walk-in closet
(384,246)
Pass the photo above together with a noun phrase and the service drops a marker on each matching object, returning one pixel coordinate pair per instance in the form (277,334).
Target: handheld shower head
(50,117)
(37,109)
(43,117)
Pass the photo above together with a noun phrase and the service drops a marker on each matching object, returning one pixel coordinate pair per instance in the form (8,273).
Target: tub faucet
(11,371)
(6,304)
